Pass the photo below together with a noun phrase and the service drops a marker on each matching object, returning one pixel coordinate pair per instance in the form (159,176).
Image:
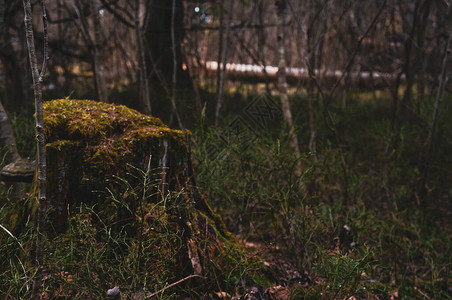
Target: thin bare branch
(174,284)
(355,51)
(46,41)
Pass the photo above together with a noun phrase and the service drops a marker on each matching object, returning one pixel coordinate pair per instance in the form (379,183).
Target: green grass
(380,239)
(144,254)
(24,132)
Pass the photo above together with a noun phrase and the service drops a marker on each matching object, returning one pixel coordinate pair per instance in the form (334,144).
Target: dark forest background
(350,196)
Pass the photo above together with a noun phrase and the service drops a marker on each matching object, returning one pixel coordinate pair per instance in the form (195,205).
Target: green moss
(160,222)
(86,119)
(62,145)
(107,134)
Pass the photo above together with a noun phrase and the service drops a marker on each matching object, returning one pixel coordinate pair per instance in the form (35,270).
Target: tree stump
(116,174)
(89,144)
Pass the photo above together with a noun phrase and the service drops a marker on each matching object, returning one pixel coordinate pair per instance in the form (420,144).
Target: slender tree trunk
(287,114)
(262,42)
(8,149)
(225,49)
(145,102)
(2,14)
(41,155)
(193,72)
(420,55)
(220,44)
(97,54)
(313,62)
(413,67)
(439,98)
(93,44)
(159,40)
(175,64)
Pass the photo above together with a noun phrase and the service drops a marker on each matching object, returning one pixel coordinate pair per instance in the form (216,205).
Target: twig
(422,293)
(174,284)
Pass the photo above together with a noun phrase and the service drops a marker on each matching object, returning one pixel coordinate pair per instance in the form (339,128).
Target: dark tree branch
(112,8)
(355,51)
(241,25)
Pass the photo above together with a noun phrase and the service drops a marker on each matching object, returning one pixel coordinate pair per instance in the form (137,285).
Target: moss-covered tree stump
(90,143)
(113,172)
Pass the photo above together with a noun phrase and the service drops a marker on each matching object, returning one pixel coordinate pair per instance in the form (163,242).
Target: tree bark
(145,102)
(41,158)
(97,54)
(439,98)
(174,47)
(417,36)
(220,43)
(159,43)
(224,55)
(285,105)
(8,149)
(93,44)
(2,14)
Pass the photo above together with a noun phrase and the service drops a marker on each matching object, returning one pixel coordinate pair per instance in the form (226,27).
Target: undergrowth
(141,250)
(378,239)
(356,230)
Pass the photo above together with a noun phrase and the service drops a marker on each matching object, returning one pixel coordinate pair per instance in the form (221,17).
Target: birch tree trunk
(282,82)
(41,160)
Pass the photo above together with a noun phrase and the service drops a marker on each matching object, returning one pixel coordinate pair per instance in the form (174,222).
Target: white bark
(282,82)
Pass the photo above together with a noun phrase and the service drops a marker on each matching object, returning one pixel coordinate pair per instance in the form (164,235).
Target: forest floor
(356,225)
